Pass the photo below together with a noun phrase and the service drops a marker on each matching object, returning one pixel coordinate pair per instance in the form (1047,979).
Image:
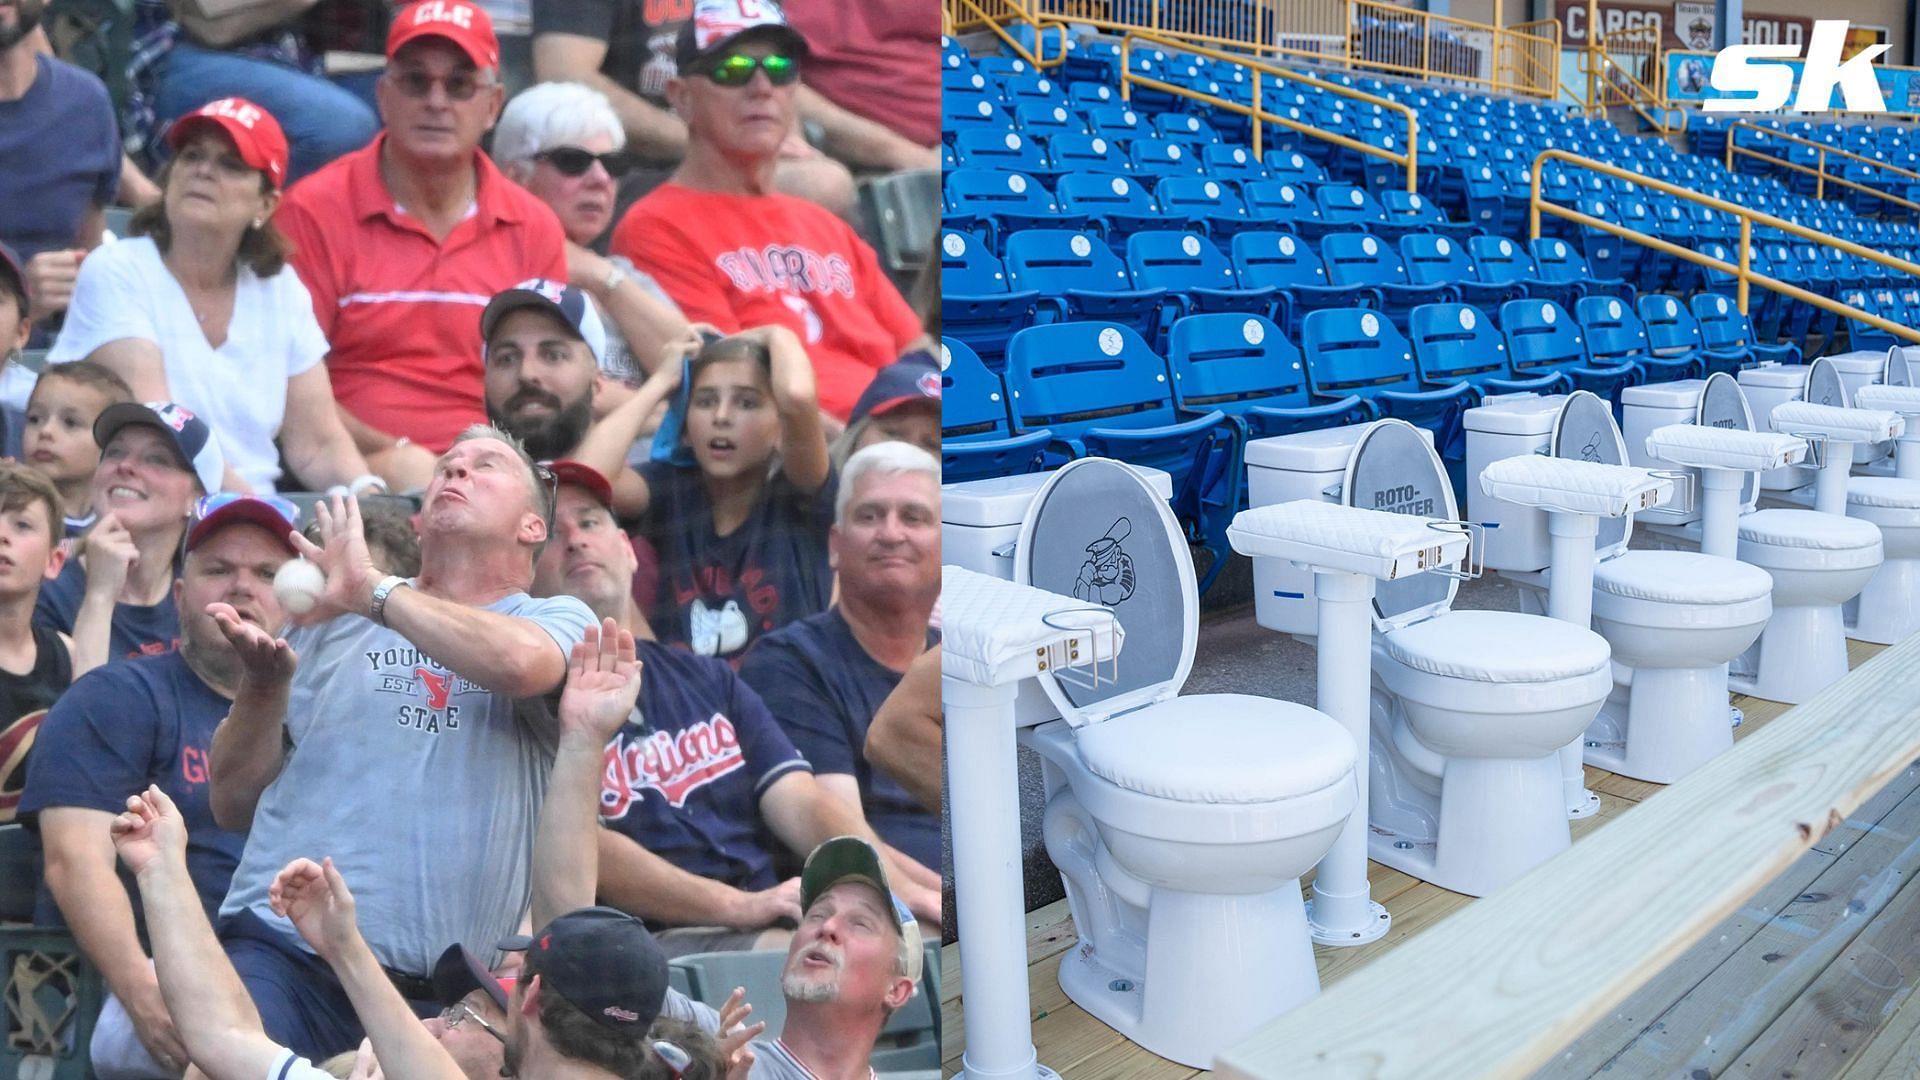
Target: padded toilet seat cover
(1219,748)
(1888,492)
(1499,647)
(1686,578)
(1807,530)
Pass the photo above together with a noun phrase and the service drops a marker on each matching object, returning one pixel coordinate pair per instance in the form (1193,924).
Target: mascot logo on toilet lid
(1724,405)
(1824,386)
(1393,468)
(1585,430)
(1099,536)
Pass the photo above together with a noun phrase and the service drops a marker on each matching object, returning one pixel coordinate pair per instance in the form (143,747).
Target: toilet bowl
(1673,619)
(1180,825)
(1817,562)
(1469,708)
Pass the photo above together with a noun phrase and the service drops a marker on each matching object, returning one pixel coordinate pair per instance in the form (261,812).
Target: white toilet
(1470,708)
(1673,618)
(1181,825)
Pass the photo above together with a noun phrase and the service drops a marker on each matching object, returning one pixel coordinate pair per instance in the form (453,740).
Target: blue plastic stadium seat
(1615,335)
(1104,393)
(1069,154)
(1006,201)
(1455,343)
(1207,204)
(1560,263)
(979,148)
(1151,156)
(1360,352)
(1287,263)
(1077,277)
(1673,332)
(978,304)
(1442,260)
(1542,338)
(1244,366)
(1724,329)
(976,434)
(1284,205)
(1190,268)
(1362,259)
(1118,206)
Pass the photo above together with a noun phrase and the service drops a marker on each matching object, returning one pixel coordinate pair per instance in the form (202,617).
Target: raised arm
(859,141)
(317,444)
(803,446)
(249,746)
(637,881)
(603,681)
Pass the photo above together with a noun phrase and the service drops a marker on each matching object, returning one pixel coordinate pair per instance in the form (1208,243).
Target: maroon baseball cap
(467,26)
(223,508)
(573,472)
(254,131)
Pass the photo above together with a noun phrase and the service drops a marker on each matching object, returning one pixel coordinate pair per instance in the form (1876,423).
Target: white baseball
(297,586)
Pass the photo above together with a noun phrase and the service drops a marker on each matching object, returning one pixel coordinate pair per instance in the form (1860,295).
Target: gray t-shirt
(423,787)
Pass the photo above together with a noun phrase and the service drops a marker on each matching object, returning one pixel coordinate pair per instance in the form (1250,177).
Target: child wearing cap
(902,404)
(739,515)
(197,307)
(65,402)
(155,460)
(37,663)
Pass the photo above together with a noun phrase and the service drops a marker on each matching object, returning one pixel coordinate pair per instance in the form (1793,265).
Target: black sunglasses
(736,69)
(573,161)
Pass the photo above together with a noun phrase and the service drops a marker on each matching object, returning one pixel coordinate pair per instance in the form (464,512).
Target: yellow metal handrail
(1128,78)
(1422,26)
(1820,174)
(1742,273)
(1040,25)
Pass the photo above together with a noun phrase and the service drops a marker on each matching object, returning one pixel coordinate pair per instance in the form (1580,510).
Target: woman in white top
(199,307)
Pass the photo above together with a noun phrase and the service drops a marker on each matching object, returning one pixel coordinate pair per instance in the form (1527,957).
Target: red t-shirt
(401,309)
(740,261)
(877,59)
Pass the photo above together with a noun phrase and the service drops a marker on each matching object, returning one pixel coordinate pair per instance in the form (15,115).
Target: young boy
(36,662)
(59,432)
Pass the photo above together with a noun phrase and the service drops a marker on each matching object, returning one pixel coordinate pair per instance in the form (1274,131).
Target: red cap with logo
(254,131)
(573,472)
(462,23)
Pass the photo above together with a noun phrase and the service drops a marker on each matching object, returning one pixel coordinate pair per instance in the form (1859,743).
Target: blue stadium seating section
(1123,274)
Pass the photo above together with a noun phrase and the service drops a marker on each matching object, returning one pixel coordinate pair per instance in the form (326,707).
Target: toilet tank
(979,525)
(1516,536)
(1284,468)
(1645,409)
(1768,385)
(1858,369)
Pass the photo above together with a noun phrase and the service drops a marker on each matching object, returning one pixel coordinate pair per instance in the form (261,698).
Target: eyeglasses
(551,481)
(736,69)
(460,1012)
(207,506)
(573,161)
(460,86)
(676,1060)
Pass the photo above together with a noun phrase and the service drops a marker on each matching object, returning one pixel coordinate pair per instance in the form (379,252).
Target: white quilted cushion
(1900,399)
(1337,537)
(1219,748)
(1890,492)
(1681,577)
(1580,487)
(1499,647)
(991,627)
(1808,530)
(1723,448)
(1844,425)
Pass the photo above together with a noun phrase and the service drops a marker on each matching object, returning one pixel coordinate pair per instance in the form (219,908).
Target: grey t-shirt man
(423,787)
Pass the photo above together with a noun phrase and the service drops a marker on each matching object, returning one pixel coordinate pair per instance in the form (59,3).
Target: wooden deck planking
(1075,1044)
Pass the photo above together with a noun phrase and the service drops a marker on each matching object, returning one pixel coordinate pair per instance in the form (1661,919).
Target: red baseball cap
(462,23)
(573,472)
(254,131)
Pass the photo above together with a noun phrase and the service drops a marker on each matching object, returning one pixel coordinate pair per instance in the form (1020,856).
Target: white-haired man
(825,676)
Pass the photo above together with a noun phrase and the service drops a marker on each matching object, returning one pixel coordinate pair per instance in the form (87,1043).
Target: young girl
(741,532)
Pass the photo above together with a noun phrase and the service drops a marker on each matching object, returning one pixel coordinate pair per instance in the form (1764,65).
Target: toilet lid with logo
(1899,370)
(1585,430)
(1824,386)
(1098,534)
(1723,404)
(1393,469)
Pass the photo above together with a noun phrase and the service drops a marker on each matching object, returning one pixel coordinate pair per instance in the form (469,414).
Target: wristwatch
(377,610)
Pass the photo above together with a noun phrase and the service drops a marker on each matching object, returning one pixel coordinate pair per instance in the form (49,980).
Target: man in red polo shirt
(403,243)
(733,251)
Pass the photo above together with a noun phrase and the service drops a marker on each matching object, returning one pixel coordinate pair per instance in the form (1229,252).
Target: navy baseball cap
(13,276)
(562,301)
(717,24)
(458,973)
(913,377)
(190,437)
(603,962)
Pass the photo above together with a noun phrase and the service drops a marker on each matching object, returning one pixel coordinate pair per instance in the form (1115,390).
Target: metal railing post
(1746,262)
(1820,180)
(1259,108)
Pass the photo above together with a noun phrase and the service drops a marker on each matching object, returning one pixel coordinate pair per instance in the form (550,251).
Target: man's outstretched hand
(603,682)
(150,830)
(315,898)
